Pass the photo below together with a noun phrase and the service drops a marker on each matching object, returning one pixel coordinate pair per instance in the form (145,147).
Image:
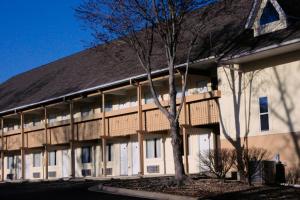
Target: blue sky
(36,32)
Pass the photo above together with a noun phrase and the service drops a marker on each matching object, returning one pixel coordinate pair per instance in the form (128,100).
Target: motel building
(91,114)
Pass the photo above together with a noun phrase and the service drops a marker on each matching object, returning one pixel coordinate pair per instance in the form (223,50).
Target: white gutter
(261,50)
(100,86)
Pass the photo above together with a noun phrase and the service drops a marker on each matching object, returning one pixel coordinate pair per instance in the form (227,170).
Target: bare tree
(219,165)
(148,25)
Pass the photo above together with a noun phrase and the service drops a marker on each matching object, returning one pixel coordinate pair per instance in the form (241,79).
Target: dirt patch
(207,188)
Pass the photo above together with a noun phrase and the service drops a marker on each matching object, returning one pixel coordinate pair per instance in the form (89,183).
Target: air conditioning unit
(36,175)
(153,169)
(86,172)
(10,176)
(264,172)
(108,171)
(52,174)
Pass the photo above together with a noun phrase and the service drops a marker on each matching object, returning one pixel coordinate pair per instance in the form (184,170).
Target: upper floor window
(202,86)
(52,118)
(264,113)
(148,98)
(269,14)
(86,155)
(86,111)
(108,106)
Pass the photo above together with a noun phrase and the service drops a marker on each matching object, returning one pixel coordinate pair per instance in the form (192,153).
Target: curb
(290,185)
(138,193)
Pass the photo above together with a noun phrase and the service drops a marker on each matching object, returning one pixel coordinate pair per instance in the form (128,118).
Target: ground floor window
(52,158)
(86,155)
(10,162)
(153,148)
(109,152)
(36,159)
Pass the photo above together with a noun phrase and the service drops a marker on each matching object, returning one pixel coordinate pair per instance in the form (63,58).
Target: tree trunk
(240,163)
(177,152)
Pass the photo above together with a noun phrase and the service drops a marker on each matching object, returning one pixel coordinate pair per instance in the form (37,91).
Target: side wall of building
(276,78)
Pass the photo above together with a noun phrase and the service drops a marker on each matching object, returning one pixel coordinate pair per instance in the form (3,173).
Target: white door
(65,163)
(124,160)
(135,158)
(27,166)
(204,147)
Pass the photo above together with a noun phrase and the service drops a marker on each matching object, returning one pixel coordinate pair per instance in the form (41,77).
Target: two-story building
(91,114)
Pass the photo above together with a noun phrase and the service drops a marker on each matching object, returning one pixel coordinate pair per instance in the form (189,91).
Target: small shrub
(217,162)
(293,175)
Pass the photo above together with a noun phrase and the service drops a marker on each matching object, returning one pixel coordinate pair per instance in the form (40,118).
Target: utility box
(263,172)
(280,173)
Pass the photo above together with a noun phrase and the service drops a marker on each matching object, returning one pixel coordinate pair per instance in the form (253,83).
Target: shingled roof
(114,62)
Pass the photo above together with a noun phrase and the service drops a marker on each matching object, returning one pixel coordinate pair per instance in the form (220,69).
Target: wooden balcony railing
(201,109)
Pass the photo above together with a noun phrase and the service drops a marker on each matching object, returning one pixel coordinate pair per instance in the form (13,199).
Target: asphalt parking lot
(55,191)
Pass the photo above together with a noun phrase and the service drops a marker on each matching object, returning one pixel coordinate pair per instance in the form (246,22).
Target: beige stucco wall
(276,78)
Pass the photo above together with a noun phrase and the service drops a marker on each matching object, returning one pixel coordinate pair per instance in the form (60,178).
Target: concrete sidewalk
(138,193)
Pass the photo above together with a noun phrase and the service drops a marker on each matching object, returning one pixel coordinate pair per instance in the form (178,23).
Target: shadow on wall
(239,84)
(288,103)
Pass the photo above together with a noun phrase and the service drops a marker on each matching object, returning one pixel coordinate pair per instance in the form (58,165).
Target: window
(108,106)
(10,162)
(36,159)
(86,155)
(202,86)
(133,101)
(86,111)
(153,148)
(52,118)
(109,152)
(269,14)
(264,113)
(52,158)
(148,98)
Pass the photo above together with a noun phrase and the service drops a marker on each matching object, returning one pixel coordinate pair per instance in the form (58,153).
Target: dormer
(267,17)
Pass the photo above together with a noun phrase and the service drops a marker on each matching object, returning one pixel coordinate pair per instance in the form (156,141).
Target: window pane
(109,152)
(10,162)
(263,104)
(157,141)
(52,158)
(36,160)
(264,122)
(269,15)
(86,155)
(150,148)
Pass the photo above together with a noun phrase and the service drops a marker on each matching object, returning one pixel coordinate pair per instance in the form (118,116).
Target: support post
(2,149)
(184,131)
(46,143)
(140,129)
(72,140)
(103,136)
(22,146)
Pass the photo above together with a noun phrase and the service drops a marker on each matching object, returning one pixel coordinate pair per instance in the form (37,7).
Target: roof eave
(269,51)
(62,98)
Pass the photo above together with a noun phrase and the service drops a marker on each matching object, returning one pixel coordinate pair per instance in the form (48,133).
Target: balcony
(201,109)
